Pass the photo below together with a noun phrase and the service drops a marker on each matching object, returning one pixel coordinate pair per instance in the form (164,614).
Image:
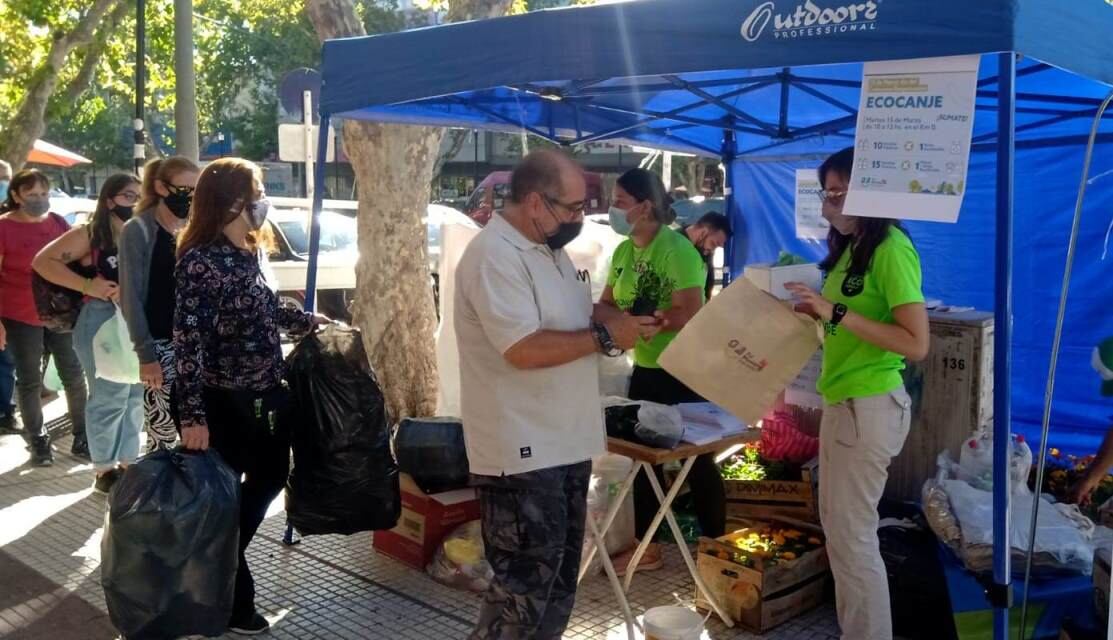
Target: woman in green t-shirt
(873,307)
(658,272)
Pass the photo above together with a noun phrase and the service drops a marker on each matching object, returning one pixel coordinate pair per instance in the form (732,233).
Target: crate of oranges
(765,573)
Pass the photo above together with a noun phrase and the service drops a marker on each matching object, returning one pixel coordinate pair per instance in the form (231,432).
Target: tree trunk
(393,167)
(456,140)
(92,54)
(18,137)
(186,138)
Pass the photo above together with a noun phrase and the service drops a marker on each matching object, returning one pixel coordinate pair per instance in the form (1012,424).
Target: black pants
(26,344)
(250,430)
(704,480)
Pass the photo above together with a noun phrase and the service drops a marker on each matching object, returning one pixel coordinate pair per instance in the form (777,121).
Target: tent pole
(1000,594)
(315,219)
(730,147)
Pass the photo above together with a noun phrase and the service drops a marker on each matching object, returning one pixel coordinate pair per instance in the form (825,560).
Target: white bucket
(672,623)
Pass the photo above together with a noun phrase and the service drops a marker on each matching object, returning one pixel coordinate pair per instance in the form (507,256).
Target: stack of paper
(705,422)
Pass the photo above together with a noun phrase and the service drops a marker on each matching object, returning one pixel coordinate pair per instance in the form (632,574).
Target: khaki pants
(857,439)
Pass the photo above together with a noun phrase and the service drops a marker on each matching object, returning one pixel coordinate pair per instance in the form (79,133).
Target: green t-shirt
(853,368)
(673,261)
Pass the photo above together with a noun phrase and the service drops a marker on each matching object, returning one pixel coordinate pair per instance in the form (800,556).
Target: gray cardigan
(136,246)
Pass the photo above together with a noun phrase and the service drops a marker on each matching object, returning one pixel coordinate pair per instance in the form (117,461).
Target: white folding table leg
(612,512)
(647,539)
(619,593)
(666,507)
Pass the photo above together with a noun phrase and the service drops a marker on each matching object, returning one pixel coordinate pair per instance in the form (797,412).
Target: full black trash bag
(432,451)
(344,478)
(916,581)
(170,546)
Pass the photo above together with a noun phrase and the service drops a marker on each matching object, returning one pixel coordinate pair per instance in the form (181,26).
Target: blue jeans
(114,413)
(7,383)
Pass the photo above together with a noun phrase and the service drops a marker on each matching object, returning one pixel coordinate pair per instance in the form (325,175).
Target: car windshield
(338,233)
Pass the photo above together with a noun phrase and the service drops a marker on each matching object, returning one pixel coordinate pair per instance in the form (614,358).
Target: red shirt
(19,242)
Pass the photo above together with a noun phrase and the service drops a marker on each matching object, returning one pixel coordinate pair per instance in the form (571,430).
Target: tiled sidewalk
(326,587)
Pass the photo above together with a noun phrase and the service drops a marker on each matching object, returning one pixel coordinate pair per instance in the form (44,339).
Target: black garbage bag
(344,478)
(432,451)
(622,421)
(170,546)
(916,581)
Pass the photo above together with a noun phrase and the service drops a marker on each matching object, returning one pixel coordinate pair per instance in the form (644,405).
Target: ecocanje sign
(810,19)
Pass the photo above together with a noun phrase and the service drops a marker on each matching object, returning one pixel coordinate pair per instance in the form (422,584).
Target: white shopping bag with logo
(742,350)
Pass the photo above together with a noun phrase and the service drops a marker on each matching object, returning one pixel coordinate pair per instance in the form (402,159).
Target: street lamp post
(139,148)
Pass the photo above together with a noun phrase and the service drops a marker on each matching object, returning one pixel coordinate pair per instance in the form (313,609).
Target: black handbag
(56,305)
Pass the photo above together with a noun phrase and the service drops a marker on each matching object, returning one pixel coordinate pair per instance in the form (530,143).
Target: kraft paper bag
(742,350)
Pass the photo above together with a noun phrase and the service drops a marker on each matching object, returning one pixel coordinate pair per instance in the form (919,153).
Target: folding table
(645,458)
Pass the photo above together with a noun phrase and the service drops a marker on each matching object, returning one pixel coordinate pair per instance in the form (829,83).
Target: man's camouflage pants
(533,531)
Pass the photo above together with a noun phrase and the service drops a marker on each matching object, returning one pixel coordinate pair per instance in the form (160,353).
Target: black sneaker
(9,425)
(103,483)
(253,626)
(80,448)
(41,453)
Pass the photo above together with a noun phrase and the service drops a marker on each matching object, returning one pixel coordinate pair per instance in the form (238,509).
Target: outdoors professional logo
(809,19)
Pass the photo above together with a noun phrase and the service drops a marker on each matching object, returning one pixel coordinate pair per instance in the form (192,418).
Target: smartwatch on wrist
(838,313)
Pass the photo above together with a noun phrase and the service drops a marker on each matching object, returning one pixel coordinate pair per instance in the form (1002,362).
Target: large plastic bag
(432,451)
(170,546)
(608,472)
(961,515)
(113,353)
(51,379)
(460,561)
(344,478)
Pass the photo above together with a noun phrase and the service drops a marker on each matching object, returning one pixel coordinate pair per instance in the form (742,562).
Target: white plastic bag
(608,472)
(113,354)
(51,379)
(460,562)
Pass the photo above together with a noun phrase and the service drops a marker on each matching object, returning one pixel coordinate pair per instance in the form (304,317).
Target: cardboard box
(762,597)
(952,395)
(761,499)
(773,279)
(425,521)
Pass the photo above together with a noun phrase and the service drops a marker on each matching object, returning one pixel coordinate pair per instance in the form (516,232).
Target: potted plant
(649,291)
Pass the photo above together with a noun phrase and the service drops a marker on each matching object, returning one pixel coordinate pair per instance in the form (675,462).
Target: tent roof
(51,154)
(675,73)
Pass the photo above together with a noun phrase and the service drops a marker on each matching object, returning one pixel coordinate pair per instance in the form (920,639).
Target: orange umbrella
(55,156)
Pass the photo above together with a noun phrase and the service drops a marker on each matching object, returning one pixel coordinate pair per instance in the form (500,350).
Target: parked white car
(336,278)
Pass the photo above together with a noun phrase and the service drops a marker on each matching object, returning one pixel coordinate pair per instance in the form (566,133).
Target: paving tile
(325,587)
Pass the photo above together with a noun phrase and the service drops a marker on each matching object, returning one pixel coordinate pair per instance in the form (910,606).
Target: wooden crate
(762,597)
(749,499)
(952,395)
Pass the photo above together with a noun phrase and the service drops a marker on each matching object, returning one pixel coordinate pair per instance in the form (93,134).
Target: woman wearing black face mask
(228,353)
(147,247)
(25,228)
(114,412)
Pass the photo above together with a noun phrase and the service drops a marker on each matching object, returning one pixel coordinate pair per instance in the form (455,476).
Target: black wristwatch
(838,313)
(605,341)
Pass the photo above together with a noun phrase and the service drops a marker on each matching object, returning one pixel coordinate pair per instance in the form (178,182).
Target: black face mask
(123,213)
(178,204)
(566,231)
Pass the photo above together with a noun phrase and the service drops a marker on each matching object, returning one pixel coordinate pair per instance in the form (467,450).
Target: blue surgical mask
(619,222)
(4,189)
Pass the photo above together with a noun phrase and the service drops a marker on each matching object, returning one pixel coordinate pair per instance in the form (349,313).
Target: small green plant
(651,288)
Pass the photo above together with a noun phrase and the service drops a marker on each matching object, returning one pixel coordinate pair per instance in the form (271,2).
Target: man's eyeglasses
(577,208)
(834,197)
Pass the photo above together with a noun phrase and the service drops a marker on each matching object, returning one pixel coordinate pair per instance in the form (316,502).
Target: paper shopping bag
(742,349)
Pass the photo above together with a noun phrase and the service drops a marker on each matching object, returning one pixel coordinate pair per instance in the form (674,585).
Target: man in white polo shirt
(530,396)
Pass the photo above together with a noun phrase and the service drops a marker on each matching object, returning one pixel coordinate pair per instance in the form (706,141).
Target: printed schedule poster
(810,224)
(912,146)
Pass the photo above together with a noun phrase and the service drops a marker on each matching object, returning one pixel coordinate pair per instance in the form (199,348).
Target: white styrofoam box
(773,279)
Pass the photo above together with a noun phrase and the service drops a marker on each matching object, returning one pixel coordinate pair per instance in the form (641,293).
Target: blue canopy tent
(771,86)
